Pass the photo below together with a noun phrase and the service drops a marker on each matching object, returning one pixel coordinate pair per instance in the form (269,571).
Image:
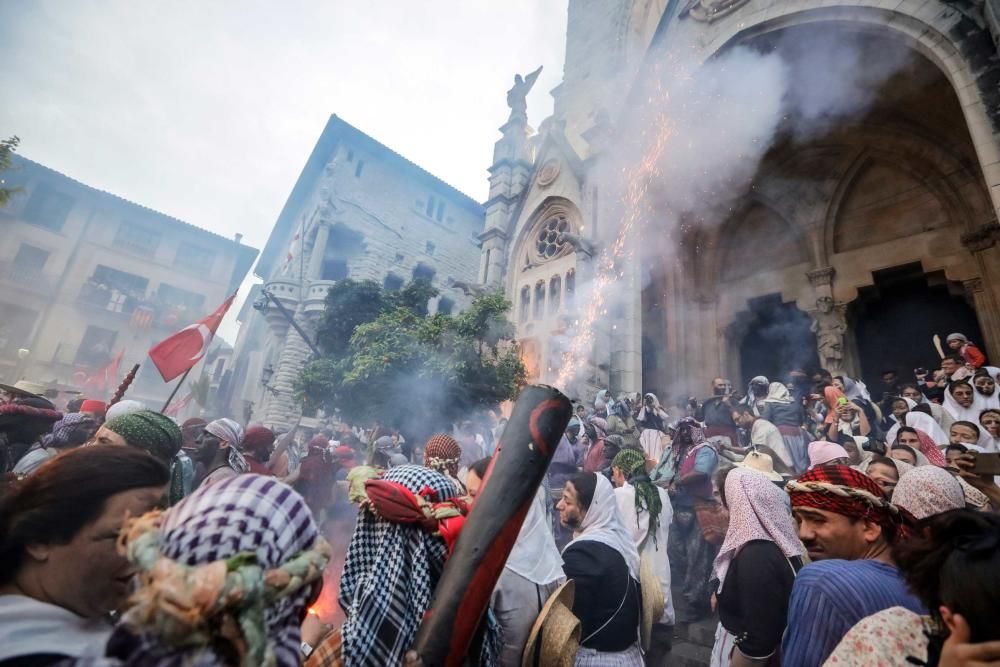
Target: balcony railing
(28,277)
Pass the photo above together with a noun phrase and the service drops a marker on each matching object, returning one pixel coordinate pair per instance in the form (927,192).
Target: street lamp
(266,374)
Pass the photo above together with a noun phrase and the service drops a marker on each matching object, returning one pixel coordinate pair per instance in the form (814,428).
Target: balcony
(31,278)
(142,312)
(315,301)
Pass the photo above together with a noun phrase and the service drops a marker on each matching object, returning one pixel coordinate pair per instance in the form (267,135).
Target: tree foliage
(7,148)
(404,367)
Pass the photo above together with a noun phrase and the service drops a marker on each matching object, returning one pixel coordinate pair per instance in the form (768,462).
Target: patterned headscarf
(145,429)
(758,510)
(442,453)
(70,430)
(229,431)
(226,430)
(847,492)
(647,497)
(927,491)
(260,562)
(390,574)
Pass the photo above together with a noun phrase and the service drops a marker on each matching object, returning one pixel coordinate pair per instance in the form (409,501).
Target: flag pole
(174,392)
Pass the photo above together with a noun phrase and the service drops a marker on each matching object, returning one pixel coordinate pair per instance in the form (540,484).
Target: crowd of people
(822,523)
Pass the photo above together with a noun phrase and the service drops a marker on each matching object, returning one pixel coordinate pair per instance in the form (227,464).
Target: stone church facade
(848,251)
(361,211)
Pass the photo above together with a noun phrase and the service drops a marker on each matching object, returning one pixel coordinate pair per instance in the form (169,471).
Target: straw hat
(762,463)
(24,389)
(652,598)
(559,630)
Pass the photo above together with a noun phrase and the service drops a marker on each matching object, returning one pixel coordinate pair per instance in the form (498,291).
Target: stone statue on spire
(517,96)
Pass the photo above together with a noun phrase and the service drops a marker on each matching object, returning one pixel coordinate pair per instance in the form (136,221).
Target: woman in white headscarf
(989,430)
(963,402)
(532,573)
(922,422)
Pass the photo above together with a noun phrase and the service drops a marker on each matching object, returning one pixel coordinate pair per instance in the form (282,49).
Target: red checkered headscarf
(847,492)
(442,453)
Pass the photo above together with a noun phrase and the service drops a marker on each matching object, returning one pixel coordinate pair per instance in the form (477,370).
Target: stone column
(318,252)
(282,408)
(494,248)
(985,290)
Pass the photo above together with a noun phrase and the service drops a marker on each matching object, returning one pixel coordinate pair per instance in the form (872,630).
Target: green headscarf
(632,463)
(145,429)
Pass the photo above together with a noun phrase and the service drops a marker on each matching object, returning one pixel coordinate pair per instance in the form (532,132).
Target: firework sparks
(607,271)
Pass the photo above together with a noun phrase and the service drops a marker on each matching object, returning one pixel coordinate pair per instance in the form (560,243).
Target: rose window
(547,243)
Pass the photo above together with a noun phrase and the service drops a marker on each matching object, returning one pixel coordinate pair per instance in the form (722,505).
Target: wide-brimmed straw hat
(762,463)
(555,636)
(24,389)
(652,599)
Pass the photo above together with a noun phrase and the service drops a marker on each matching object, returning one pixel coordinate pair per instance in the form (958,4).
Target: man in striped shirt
(848,527)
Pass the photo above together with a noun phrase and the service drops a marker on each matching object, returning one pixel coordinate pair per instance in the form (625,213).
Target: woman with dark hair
(953,566)
(60,573)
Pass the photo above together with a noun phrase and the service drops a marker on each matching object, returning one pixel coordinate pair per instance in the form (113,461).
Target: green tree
(348,304)
(7,148)
(415,371)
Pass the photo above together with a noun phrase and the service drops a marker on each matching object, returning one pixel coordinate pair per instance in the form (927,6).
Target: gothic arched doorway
(777,337)
(896,318)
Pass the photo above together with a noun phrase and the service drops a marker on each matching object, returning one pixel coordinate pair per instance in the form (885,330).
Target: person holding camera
(716,413)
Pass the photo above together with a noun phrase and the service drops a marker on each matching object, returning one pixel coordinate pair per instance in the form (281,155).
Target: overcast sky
(207,111)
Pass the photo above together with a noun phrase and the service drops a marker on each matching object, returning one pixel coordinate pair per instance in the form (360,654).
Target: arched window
(525,305)
(539,312)
(570,287)
(555,293)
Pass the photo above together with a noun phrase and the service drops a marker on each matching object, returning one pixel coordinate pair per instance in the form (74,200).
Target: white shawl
(29,626)
(603,524)
(535,555)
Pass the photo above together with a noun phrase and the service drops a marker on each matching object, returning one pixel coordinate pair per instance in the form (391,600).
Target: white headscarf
(535,555)
(603,524)
(123,408)
(987,441)
(657,409)
(923,422)
(969,414)
(778,393)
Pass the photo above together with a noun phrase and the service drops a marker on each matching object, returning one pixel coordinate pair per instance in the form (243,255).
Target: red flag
(104,379)
(179,353)
(176,408)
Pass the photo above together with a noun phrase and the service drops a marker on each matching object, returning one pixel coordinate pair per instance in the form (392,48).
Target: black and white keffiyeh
(390,574)
(248,513)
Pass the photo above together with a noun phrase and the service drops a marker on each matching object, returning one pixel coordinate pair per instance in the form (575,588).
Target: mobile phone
(920,371)
(987,464)
(842,401)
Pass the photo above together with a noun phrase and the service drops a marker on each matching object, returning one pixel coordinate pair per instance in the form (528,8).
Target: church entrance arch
(773,337)
(896,318)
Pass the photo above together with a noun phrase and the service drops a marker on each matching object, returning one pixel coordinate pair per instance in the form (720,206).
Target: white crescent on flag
(206,338)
